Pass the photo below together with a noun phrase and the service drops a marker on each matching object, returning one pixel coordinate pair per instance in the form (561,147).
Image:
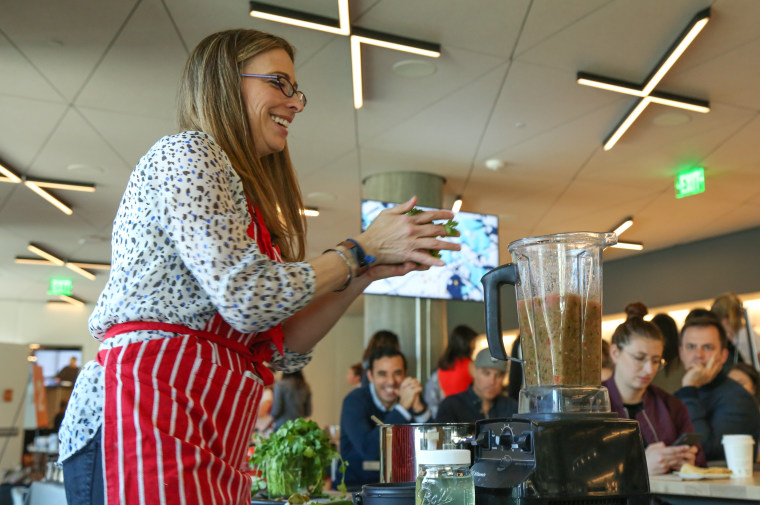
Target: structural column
(419,323)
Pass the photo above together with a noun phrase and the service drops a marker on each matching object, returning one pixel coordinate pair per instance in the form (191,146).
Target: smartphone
(688,439)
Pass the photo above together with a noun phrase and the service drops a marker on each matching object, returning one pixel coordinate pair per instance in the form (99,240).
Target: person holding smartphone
(636,350)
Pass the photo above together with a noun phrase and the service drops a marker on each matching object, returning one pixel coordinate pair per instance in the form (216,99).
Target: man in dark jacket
(717,405)
(484,398)
(390,396)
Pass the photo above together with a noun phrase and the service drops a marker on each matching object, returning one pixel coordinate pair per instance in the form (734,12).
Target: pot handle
(358,498)
(492,281)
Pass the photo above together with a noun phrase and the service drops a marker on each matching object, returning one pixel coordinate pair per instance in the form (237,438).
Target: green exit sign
(690,182)
(61,286)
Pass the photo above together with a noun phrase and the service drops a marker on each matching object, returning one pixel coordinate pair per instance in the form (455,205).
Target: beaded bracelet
(348,264)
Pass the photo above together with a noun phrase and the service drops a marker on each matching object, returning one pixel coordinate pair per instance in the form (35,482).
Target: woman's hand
(396,238)
(662,459)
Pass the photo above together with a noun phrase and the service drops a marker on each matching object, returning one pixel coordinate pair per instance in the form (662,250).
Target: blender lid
(604,239)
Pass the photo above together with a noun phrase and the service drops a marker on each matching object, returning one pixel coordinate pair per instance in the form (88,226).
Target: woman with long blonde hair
(209,285)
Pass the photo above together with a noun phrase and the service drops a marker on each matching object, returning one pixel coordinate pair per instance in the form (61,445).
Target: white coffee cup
(739,451)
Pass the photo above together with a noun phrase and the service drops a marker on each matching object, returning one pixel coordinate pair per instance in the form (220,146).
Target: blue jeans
(83,474)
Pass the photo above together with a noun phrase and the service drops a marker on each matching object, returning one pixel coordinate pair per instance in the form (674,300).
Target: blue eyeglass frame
(279,78)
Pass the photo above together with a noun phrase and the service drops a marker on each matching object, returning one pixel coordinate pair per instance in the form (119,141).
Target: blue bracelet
(364,259)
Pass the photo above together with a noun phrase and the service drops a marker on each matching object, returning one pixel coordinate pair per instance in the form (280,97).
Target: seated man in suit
(483,399)
(390,396)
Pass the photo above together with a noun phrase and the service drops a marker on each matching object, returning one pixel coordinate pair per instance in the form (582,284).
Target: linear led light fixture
(457,206)
(91,266)
(342,26)
(44,254)
(50,198)
(71,186)
(645,91)
(277,14)
(635,246)
(310,212)
(36,185)
(72,300)
(24,260)
(363,36)
(627,223)
(9,175)
(52,259)
(81,271)
(680,102)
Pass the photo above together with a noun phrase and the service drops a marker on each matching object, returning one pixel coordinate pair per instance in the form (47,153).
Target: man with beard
(391,397)
(717,405)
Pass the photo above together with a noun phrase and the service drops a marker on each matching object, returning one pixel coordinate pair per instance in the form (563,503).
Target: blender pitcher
(558,281)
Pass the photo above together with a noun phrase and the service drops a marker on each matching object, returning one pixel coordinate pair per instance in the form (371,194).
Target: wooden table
(673,489)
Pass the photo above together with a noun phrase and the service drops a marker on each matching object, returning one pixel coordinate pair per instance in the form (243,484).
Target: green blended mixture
(562,345)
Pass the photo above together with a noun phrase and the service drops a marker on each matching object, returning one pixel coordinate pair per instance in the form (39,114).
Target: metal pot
(400,443)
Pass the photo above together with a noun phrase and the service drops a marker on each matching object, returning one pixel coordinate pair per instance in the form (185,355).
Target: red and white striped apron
(179,411)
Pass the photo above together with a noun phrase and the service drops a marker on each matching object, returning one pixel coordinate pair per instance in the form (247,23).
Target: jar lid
(444,457)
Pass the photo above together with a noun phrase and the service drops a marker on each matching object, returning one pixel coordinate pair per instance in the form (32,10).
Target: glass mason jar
(444,478)
(283,482)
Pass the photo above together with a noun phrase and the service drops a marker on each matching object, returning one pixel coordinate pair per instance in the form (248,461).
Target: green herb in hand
(451,230)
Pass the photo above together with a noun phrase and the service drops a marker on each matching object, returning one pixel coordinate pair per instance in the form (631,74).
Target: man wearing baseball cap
(484,398)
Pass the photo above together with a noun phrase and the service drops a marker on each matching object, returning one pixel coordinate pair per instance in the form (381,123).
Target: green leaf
(450,226)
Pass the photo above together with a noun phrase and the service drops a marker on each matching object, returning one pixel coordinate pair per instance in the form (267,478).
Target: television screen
(460,278)
(53,360)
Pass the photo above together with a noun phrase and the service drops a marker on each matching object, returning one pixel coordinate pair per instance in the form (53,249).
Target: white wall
(47,324)
(14,377)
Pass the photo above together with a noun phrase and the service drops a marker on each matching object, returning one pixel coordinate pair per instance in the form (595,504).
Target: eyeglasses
(655,361)
(284,84)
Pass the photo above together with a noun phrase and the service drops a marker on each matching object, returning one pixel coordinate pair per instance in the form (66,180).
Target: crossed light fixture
(37,185)
(645,91)
(342,26)
(50,259)
(310,211)
(627,223)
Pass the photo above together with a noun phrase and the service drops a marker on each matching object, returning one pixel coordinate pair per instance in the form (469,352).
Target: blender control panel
(504,453)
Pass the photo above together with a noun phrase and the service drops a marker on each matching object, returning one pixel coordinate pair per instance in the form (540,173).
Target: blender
(564,446)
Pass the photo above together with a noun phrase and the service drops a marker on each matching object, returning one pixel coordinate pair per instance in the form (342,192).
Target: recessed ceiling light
(494,164)
(320,196)
(92,239)
(414,68)
(83,167)
(671,119)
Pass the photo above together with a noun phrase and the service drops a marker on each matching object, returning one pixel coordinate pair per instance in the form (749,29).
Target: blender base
(576,459)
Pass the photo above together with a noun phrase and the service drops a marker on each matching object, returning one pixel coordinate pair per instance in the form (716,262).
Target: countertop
(743,488)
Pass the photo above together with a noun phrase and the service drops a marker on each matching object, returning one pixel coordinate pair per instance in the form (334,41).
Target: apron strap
(256,356)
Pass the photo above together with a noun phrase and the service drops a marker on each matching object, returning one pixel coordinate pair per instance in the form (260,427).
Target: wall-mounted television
(54,359)
(460,278)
